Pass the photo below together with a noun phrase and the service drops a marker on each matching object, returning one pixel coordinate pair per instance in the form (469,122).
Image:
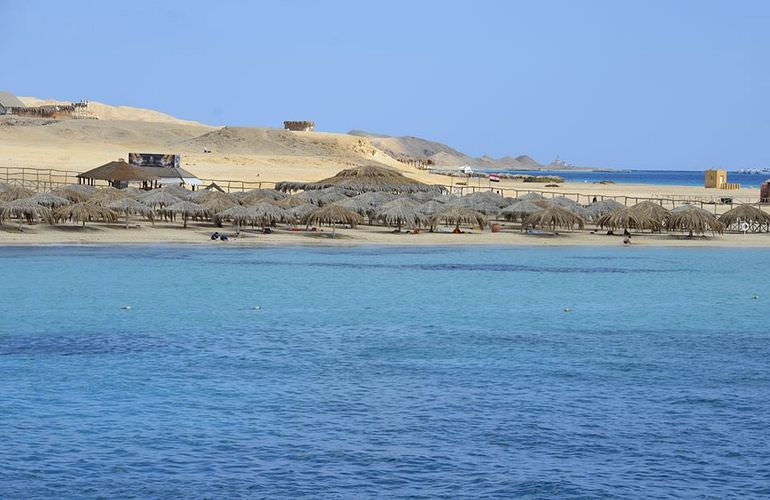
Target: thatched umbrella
(159,198)
(444,198)
(238,214)
(402,212)
(4,186)
(128,206)
(107,195)
(553,217)
(217,203)
(268,214)
(603,207)
(15,193)
(627,218)
(84,211)
(375,198)
(479,204)
(75,192)
(358,206)
(289,202)
(747,217)
(332,214)
(459,214)
(653,210)
(362,179)
(431,207)
(533,197)
(693,219)
(182,194)
(488,197)
(49,200)
(187,209)
(520,209)
(24,208)
(299,212)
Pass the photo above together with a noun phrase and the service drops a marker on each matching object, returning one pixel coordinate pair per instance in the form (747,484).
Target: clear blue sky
(629,84)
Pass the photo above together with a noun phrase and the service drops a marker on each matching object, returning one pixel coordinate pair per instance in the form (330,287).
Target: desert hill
(440,154)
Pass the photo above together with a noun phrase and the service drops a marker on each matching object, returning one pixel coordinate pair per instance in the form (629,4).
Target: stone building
(299,126)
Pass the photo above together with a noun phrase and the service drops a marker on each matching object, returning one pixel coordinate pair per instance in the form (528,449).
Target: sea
(384,372)
(662,177)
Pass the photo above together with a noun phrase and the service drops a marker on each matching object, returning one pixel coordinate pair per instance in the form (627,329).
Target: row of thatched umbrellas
(338,205)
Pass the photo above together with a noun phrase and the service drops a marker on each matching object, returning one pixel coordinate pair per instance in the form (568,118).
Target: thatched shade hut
(652,210)
(24,209)
(187,209)
(83,212)
(554,217)
(533,197)
(602,207)
(75,192)
(402,212)
(375,198)
(362,179)
(488,197)
(332,214)
(182,194)
(357,205)
(693,220)
(107,195)
(746,218)
(13,192)
(49,200)
(520,209)
(128,206)
(431,207)
(288,202)
(217,202)
(458,214)
(627,218)
(159,198)
(268,214)
(239,215)
(298,213)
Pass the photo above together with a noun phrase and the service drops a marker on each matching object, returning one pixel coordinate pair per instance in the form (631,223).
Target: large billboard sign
(155,160)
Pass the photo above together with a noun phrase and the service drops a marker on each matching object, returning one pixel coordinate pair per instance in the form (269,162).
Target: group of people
(220,236)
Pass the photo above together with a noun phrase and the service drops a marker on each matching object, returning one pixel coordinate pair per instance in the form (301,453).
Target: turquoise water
(384,372)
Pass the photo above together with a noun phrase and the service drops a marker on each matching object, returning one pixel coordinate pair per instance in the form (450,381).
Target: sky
(624,84)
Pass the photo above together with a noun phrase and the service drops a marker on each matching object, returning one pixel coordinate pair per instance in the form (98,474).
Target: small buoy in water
(127,308)
(257,308)
(567,309)
(755,297)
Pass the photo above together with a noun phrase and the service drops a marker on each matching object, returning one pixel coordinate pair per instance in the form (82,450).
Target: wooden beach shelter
(117,173)
(332,214)
(694,220)
(553,217)
(459,214)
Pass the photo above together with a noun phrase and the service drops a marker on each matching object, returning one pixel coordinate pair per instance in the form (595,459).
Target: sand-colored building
(9,102)
(717,179)
(299,126)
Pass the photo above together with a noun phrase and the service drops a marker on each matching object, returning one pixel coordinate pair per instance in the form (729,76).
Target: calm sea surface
(663,177)
(384,372)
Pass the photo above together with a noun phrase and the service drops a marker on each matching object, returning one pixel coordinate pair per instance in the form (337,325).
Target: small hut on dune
(693,220)
(332,214)
(552,218)
(363,179)
(746,218)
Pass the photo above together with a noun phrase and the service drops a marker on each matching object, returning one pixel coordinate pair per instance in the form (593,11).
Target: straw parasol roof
(431,207)
(75,192)
(627,218)
(84,211)
(299,212)
(182,194)
(15,193)
(375,198)
(653,210)
(267,213)
(107,195)
(533,197)
(26,208)
(187,209)
(362,179)
(552,217)
(603,207)
(332,214)
(488,197)
(694,220)
(520,209)
(49,200)
(402,212)
(238,214)
(357,205)
(217,202)
(128,206)
(459,214)
(479,204)
(748,216)
(159,198)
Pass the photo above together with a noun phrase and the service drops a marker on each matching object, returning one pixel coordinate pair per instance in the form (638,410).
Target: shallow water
(379,372)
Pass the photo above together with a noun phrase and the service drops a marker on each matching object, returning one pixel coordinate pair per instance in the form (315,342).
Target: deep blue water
(384,372)
(664,177)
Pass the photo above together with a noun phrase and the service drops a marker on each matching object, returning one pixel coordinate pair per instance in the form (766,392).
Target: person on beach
(215,236)
(627,240)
